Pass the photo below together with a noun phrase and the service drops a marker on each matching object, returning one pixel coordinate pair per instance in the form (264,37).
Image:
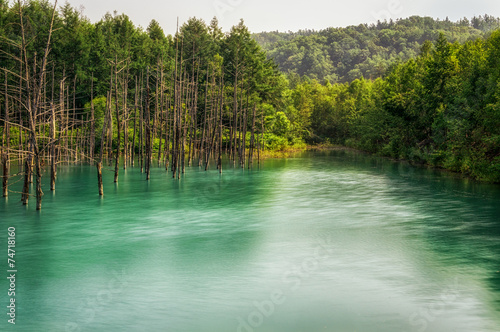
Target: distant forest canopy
(345,54)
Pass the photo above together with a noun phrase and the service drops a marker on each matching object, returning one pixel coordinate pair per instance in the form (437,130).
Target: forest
(345,54)
(417,89)
(113,94)
(441,109)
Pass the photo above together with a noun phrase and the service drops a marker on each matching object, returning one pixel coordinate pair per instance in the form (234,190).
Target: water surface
(327,241)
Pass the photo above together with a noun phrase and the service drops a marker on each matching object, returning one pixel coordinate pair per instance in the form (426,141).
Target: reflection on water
(326,241)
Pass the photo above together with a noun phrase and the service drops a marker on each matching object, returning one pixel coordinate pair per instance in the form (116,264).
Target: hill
(345,54)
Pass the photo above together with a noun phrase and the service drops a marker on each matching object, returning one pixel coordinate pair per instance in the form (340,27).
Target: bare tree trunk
(118,122)
(73,123)
(20,143)
(261,142)
(6,139)
(92,120)
(53,155)
(190,124)
(155,116)
(101,151)
(39,192)
(176,117)
(210,125)
(99,177)
(148,130)
(235,115)
(27,176)
(160,107)
(175,140)
(219,166)
(167,134)
(69,134)
(239,126)
(141,125)
(244,143)
(202,143)
(27,164)
(109,149)
(214,132)
(185,124)
(125,119)
(252,139)
(19,103)
(135,121)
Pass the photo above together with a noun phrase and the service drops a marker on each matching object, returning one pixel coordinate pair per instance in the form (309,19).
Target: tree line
(111,92)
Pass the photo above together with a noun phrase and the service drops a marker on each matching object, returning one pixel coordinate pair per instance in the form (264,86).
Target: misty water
(326,241)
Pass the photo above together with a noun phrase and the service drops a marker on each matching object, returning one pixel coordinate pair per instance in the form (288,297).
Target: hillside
(344,54)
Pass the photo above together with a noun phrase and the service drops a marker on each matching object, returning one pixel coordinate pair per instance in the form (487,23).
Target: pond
(325,241)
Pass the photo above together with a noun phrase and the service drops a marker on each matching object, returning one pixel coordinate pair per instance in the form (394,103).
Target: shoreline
(288,153)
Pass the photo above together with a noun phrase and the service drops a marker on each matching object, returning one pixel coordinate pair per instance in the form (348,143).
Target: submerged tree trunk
(125,121)
(118,127)
(53,155)
(98,165)
(92,120)
(148,131)
(135,123)
(6,154)
(219,161)
(99,178)
(27,177)
(252,140)
(39,192)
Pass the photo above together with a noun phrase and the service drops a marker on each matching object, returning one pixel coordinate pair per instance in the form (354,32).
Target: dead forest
(114,95)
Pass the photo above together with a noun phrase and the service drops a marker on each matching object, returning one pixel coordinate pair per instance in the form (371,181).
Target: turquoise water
(326,241)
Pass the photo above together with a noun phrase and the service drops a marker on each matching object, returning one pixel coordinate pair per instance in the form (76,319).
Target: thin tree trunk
(235,115)
(244,143)
(99,178)
(73,123)
(252,139)
(6,139)
(118,121)
(220,126)
(160,135)
(212,139)
(125,119)
(39,192)
(101,152)
(135,122)
(148,130)
(53,155)
(92,120)
(261,142)
(167,133)
(27,176)
(141,125)
(202,143)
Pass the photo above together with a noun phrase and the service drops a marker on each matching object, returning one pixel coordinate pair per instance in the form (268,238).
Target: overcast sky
(282,15)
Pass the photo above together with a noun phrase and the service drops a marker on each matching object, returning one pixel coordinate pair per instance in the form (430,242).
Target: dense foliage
(441,108)
(345,54)
(80,49)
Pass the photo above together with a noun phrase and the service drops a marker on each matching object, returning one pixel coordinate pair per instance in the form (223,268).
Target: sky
(282,15)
